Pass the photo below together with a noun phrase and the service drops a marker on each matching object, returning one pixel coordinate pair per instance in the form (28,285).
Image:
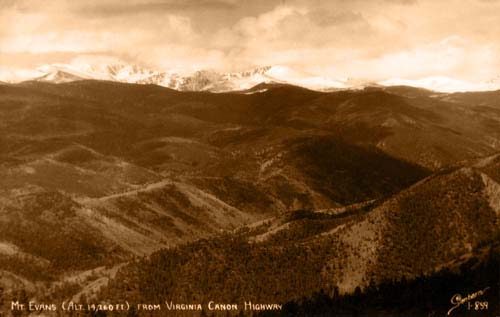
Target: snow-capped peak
(58,73)
(113,69)
(202,80)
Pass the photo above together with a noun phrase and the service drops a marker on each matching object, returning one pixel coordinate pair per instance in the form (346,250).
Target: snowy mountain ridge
(202,80)
(209,80)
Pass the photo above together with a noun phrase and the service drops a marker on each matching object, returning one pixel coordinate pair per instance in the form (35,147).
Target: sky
(375,40)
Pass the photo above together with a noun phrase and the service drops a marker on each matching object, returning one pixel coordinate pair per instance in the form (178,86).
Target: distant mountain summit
(59,76)
(213,81)
(202,80)
(119,72)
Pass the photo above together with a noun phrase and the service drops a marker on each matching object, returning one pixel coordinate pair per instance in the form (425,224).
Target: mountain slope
(447,217)
(131,169)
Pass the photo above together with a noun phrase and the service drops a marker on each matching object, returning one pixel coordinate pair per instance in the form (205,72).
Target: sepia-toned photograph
(249,158)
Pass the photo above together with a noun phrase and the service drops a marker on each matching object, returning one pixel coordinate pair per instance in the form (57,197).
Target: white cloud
(374,40)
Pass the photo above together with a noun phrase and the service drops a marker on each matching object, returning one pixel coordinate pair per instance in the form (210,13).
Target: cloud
(369,39)
(453,56)
(325,18)
(404,2)
(117,8)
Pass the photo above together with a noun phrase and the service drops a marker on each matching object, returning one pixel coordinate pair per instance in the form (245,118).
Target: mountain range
(113,190)
(209,80)
(203,80)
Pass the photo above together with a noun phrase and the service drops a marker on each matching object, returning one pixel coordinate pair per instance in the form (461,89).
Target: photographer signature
(459,300)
